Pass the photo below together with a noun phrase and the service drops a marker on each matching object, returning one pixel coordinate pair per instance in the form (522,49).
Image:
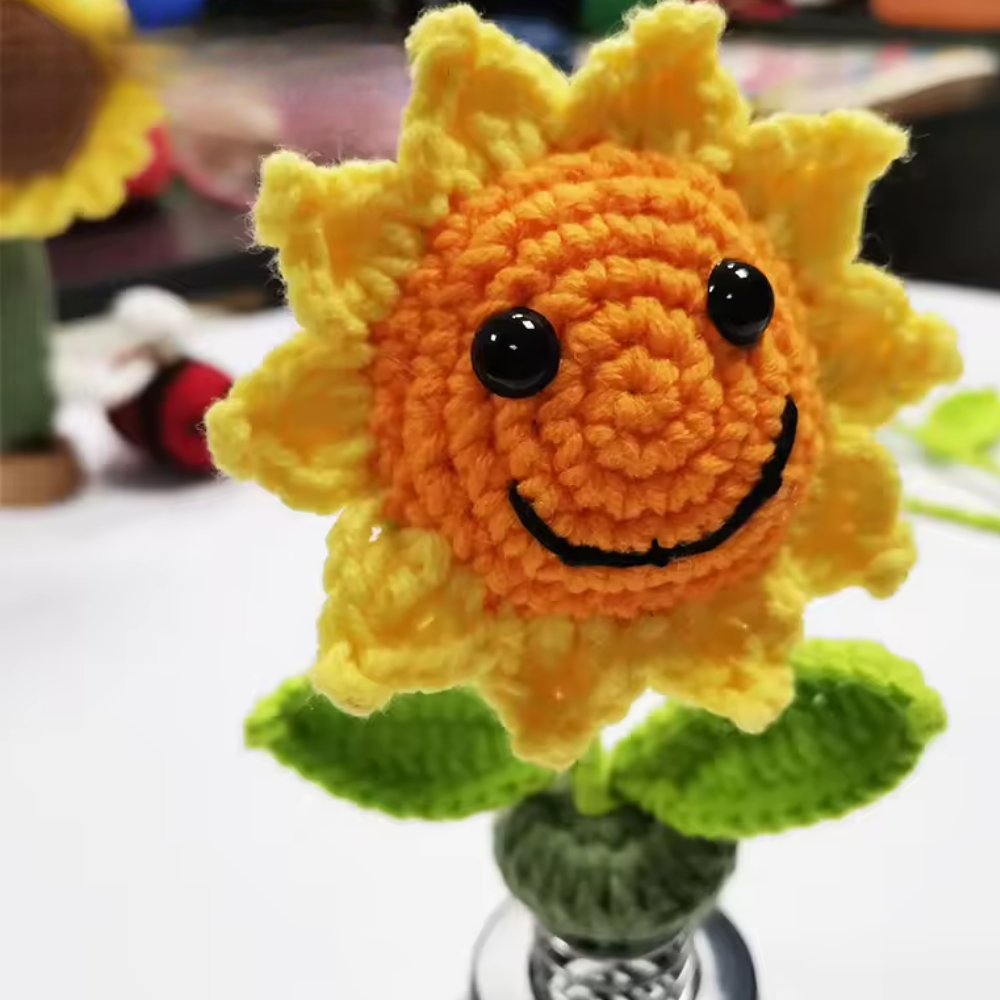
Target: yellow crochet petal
(659,86)
(336,674)
(729,654)
(481,104)
(847,532)
(298,424)
(876,354)
(400,614)
(806,177)
(559,683)
(344,236)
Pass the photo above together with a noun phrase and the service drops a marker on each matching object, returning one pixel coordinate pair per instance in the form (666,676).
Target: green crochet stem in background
(636,841)
(963,429)
(602,17)
(27,404)
(956,515)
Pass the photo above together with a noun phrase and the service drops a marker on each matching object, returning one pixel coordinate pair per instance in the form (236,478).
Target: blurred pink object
(235,102)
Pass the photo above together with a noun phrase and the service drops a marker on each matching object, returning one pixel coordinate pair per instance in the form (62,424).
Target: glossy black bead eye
(740,302)
(515,353)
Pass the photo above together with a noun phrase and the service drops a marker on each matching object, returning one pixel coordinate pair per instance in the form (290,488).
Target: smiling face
(591,373)
(606,414)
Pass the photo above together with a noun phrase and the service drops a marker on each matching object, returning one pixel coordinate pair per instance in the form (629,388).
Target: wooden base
(38,478)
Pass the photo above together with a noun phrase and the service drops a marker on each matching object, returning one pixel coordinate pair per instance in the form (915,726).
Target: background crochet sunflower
(593,373)
(75,111)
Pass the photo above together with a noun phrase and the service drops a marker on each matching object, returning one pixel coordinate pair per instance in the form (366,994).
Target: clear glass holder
(517,960)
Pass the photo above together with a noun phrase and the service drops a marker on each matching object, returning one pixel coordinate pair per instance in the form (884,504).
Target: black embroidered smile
(766,487)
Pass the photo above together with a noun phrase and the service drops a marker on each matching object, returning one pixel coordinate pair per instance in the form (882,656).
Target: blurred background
(254,74)
(144,854)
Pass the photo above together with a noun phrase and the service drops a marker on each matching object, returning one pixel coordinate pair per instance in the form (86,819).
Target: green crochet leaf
(963,426)
(859,723)
(427,756)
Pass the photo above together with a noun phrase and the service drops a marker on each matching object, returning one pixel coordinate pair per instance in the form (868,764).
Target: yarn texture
(435,757)
(859,723)
(660,512)
(607,883)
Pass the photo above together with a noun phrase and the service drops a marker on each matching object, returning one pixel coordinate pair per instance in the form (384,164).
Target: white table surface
(145,855)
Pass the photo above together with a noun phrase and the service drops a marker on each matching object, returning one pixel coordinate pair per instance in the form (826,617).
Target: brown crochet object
(50,85)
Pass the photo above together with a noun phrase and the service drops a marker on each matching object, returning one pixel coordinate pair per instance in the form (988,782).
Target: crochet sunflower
(591,372)
(74,113)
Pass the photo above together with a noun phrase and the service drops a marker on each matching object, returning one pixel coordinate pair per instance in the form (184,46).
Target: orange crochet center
(655,427)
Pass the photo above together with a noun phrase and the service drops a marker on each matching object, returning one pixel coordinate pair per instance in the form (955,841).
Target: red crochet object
(167,419)
(757,10)
(158,173)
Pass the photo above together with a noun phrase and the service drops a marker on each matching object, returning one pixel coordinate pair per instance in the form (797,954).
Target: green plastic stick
(27,403)
(956,515)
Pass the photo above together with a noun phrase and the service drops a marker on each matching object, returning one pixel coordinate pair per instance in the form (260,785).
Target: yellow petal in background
(659,86)
(558,684)
(98,22)
(92,184)
(344,237)
(875,353)
(729,654)
(806,177)
(481,104)
(400,616)
(847,532)
(298,425)
(115,149)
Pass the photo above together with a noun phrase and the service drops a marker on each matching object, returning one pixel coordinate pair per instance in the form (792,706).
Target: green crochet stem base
(27,405)
(607,884)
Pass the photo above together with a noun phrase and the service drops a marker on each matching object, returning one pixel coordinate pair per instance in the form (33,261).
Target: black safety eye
(515,353)
(740,302)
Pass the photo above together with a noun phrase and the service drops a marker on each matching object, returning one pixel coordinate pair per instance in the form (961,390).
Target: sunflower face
(73,121)
(593,373)
(575,423)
